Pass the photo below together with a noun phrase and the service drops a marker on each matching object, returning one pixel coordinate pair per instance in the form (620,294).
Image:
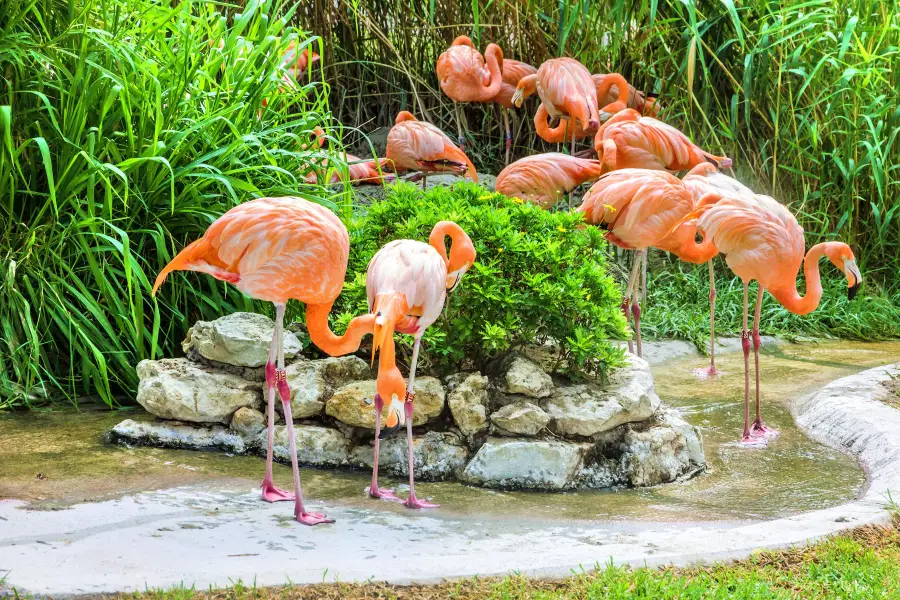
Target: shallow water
(58,458)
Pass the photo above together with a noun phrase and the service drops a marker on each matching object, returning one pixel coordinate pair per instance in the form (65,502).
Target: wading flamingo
(762,240)
(628,140)
(566,91)
(274,249)
(544,178)
(609,97)
(641,208)
(414,145)
(406,283)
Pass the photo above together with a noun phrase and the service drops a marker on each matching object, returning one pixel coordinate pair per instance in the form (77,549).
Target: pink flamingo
(414,145)
(544,178)
(609,96)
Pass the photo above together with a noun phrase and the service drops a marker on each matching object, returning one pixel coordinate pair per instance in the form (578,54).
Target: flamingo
(274,249)
(406,283)
(513,72)
(608,95)
(762,241)
(361,172)
(628,140)
(544,178)
(418,146)
(293,65)
(567,91)
(641,208)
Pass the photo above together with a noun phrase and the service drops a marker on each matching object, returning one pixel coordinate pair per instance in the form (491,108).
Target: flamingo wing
(544,178)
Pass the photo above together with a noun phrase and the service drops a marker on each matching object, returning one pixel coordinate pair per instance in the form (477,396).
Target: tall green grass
(124,131)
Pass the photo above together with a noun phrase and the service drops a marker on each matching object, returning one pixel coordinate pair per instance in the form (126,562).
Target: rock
(172,434)
(521,418)
(467,404)
(529,464)
(525,377)
(436,456)
(316,446)
(239,339)
(248,422)
(312,382)
(545,354)
(352,403)
(175,388)
(662,453)
(585,410)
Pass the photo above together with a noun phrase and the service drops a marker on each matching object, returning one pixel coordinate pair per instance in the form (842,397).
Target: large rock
(316,446)
(661,453)
(436,456)
(520,418)
(352,404)
(176,388)
(240,339)
(525,377)
(172,434)
(530,464)
(468,401)
(312,382)
(586,410)
(248,423)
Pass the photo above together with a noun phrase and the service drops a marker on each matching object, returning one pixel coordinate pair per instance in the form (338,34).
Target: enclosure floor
(72,532)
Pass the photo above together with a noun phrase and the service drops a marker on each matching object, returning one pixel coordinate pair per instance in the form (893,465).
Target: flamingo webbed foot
(749,441)
(760,430)
(270,493)
(382,494)
(415,503)
(311,518)
(707,372)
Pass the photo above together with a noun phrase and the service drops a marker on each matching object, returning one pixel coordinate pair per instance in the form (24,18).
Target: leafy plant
(539,276)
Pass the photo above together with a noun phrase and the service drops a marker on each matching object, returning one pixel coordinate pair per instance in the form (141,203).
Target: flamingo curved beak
(854,278)
(396,418)
(517,98)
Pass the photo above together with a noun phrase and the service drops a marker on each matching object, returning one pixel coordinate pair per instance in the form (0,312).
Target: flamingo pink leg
(300,513)
(373,490)
(746,438)
(758,428)
(508,133)
(270,493)
(636,306)
(413,502)
(711,370)
(629,290)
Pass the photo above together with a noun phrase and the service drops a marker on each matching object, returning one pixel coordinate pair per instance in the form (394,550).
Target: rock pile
(515,427)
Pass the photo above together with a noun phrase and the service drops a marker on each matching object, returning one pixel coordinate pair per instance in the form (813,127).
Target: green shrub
(538,276)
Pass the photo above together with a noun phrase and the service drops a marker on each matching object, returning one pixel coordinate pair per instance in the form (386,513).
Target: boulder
(352,403)
(661,453)
(585,410)
(172,434)
(436,456)
(525,377)
(522,463)
(176,388)
(312,382)
(316,446)
(520,418)
(468,402)
(248,422)
(240,339)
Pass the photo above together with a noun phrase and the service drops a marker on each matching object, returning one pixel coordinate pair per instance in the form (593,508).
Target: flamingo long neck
(790,298)
(437,237)
(610,80)
(682,243)
(528,84)
(330,343)
(493,56)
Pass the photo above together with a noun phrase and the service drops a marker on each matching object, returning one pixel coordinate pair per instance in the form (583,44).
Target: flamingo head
(462,256)
(391,387)
(842,257)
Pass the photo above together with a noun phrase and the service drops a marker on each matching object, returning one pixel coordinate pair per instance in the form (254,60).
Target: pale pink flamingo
(544,178)
(406,283)
(275,249)
(609,97)
(415,145)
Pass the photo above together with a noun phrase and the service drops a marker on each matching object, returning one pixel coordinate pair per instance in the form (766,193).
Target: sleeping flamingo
(641,208)
(406,284)
(414,145)
(628,140)
(360,172)
(274,249)
(609,97)
(762,240)
(544,178)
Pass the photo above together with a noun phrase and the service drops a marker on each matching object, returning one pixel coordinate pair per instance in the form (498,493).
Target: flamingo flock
(275,249)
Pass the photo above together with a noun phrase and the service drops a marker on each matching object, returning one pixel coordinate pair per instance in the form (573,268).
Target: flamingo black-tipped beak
(386,432)
(853,289)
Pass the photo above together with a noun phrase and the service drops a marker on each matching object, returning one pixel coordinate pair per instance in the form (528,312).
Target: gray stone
(468,402)
(316,446)
(585,410)
(248,422)
(521,418)
(312,382)
(525,377)
(436,456)
(172,434)
(661,453)
(528,464)
(352,403)
(176,388)
(240,339)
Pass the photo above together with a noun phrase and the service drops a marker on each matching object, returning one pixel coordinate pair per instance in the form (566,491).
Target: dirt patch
(893,396)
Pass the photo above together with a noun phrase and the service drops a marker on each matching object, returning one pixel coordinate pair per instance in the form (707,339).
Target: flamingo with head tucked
(275,249)
(545,178)
(407,283)
(414,145)
(609,96)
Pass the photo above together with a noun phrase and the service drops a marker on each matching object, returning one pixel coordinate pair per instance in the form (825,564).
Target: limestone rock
(248,422)
(312,382)
(661,453)
(585,410)
(240,339)
(316,446)
(352,403)
(467,404)
(172,434)
(175,388)
(521,418)
(521,463)
(525,377)
(436,456)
